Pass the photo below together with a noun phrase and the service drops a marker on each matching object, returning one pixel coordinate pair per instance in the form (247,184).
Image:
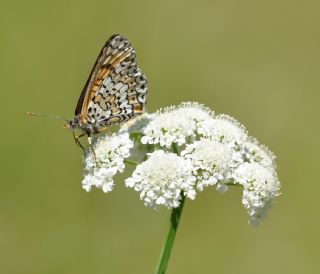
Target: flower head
(224,129)
(261,186)
(212,162)
(175,124)
(107,160)
(162,179)
(179,150)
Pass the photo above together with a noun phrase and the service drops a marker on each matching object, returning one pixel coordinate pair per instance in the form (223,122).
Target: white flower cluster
(182,150)
(224,129)
(175,125)
(260,187)
(212,162)
(162,179)
(106,161)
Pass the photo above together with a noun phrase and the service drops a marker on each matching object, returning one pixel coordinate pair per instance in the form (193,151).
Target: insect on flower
(114,92)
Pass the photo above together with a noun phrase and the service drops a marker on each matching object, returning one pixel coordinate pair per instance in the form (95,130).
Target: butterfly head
(75,123)
(72,124)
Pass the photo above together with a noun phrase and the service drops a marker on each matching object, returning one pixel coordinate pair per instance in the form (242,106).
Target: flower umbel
(110,152)
(212,162)
(178,151)
(224,129)
(260,186)
(176,124)
(162,179)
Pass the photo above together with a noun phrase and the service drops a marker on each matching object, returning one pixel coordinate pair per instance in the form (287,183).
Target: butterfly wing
(116,88)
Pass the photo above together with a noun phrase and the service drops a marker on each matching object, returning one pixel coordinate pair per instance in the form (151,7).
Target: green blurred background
(255,60)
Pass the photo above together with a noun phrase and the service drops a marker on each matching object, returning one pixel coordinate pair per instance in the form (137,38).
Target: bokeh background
(255,60)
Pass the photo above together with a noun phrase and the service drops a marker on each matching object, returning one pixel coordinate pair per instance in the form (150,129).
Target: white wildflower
(261,186)
(208,150)
(224,129)
(176,124)
(110,152)
(162,179)
(213,162)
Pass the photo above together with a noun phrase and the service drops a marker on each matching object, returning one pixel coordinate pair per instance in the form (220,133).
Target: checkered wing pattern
(116,88)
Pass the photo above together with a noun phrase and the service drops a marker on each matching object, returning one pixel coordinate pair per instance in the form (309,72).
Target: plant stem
(130,162)
(166,251)
(174,148)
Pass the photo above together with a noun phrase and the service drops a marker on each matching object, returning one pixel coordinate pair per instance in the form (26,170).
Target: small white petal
(107,187)
(222,188)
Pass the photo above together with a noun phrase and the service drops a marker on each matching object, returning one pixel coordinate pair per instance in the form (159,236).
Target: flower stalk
(126,161)
(173,227)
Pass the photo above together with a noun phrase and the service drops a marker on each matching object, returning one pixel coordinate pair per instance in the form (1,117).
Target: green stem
(166,251)
(175,148)
(130,162)
(233,184)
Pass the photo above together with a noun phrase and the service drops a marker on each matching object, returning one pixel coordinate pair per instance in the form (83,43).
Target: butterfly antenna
(47,116)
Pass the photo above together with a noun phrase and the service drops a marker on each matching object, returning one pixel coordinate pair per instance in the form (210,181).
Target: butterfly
(114,92)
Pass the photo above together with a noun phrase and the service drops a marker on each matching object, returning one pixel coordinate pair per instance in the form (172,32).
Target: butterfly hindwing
(116,88)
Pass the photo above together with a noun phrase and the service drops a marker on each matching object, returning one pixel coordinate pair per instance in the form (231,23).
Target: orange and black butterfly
(114,92)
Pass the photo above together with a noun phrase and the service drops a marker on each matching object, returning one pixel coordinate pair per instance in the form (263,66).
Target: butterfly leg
(93,152)
(78,142)
(91,147)
(82,147)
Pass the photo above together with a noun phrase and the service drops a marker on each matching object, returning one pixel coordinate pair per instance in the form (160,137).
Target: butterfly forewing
(116,88)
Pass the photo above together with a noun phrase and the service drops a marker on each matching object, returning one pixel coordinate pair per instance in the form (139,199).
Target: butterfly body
(115,90)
